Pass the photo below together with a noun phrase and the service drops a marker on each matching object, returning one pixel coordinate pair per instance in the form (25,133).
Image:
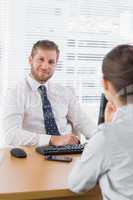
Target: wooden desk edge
(49,194)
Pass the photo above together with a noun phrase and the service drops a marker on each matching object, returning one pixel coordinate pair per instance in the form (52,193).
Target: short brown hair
(45,44)
(117,67)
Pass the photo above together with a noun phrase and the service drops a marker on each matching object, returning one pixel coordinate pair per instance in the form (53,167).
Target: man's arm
(81,122)
(13,106)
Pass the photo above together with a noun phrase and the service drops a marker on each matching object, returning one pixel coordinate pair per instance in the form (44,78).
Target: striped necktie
(49,120)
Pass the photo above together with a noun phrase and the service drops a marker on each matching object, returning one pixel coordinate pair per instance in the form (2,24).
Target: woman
(108,156)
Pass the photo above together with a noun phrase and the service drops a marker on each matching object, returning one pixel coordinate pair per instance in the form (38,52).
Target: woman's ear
(105,84)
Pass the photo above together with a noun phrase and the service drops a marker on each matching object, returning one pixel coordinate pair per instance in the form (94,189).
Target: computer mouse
(18,153)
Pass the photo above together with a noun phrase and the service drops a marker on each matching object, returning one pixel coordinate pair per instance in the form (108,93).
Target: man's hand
(109,111)
(64,139)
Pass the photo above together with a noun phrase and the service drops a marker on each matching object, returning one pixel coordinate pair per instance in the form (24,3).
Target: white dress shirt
(22,116)
(108,157)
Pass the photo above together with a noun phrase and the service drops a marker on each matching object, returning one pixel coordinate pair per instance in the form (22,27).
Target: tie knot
(42,87)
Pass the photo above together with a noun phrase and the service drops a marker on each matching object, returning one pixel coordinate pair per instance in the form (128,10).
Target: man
(24,120)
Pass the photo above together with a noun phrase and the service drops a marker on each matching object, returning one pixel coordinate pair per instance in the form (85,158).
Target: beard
(41,77)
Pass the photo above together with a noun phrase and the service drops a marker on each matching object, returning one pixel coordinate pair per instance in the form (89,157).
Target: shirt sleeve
(12,119)
(81,122)
(93,163)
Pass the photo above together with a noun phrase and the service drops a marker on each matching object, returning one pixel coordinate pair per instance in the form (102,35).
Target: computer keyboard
(57,150)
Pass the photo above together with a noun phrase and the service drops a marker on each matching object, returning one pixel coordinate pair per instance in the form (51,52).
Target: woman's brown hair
(117,67)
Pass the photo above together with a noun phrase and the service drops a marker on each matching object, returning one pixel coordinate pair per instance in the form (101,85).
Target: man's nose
(45,65)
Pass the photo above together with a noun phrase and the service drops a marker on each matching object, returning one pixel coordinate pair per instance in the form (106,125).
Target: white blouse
(108,158)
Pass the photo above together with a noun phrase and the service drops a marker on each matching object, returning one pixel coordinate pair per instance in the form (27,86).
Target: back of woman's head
(117,68)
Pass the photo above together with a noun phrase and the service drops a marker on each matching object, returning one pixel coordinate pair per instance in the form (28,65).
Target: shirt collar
(122,111)
(33,83)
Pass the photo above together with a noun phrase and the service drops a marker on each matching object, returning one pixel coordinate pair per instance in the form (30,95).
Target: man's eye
(41,59)
(51,61)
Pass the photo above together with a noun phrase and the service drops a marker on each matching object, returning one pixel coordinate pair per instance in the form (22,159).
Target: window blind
(4,16)
(84,30)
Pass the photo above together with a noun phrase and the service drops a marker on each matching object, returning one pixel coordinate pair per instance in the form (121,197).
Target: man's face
(43,64)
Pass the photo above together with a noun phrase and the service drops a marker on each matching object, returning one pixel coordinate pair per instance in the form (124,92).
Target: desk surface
(35,177)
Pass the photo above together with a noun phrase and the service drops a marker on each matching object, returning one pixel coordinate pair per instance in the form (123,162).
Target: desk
(36,178)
